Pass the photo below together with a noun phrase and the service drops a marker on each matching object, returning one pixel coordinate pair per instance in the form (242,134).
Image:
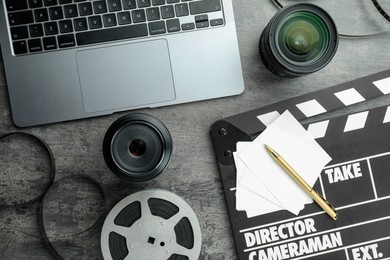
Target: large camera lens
(299,39)
(137,147)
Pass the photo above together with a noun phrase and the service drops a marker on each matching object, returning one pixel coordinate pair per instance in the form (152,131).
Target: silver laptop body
(54,76)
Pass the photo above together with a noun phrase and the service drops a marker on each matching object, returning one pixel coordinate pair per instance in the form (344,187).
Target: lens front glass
(137,148)
(302,37)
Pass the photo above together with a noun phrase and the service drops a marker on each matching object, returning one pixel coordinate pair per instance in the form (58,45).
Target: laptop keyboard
(46,25)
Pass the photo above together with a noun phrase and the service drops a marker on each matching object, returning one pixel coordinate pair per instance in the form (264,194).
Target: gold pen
(323,203)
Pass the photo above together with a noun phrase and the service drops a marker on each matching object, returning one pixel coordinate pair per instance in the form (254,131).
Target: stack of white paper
(262,185)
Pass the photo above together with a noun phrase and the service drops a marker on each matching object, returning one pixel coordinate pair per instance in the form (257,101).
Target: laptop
(72,59)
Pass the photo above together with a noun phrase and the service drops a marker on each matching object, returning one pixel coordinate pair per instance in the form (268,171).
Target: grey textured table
(192,173)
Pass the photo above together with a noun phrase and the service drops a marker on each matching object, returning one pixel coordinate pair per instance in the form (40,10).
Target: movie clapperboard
(356,181)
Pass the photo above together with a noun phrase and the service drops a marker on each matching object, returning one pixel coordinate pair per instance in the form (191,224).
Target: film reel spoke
(175,219)
(123,231)
(145,209)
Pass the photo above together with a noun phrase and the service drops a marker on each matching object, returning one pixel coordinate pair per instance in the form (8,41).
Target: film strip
(36,178)
(381,10)
(70,208)
(151,224)
(355,180)
(71,214)
(278,4)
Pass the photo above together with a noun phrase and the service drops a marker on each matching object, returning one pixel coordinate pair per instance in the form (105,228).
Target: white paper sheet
(261,180)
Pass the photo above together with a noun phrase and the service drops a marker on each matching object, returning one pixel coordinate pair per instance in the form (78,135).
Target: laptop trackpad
(124,76)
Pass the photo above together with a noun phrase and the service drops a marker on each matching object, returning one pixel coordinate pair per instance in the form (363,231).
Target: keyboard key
(65,1)
(19,32)
(18,18)
(36,30)
(15,5)
(158,2)
(49,43)
(187,26)
(35,3)
(173,25)
(117,33)
(80,24)
(51,28)
(124,18)
(143,3)
(182,9)
(20,47)
(202,24)
(56,13)
(167,12)
(114,5)
(34,45)
(138,16)
(157,28)
(153,14)
(109,20)
(172,1)
(95,22)
(129,4)
(205,6)
(216,22)
(66,41)
(65,26)
(100,7)
(70,11)
(41,15)
(85,9)
(201,18)
(50,2)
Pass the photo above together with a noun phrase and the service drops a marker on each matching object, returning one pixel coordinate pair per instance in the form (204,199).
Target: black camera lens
(137,147)
(299,39)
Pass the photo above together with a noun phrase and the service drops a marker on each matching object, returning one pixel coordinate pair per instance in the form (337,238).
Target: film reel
(151,224)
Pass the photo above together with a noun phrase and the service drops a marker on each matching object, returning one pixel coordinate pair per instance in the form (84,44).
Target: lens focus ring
(137,147)
(299,39)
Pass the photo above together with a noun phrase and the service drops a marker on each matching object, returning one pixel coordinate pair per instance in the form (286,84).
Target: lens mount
(300,39)
(137,147)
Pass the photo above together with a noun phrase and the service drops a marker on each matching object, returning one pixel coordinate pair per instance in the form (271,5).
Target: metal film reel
(151,224)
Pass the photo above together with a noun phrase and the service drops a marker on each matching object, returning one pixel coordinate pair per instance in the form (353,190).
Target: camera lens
(137,147)
(299,39)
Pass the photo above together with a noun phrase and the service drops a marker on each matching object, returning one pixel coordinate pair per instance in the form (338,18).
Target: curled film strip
(70,208)
(377,6)
(27,168)
(151,224)
(70,215)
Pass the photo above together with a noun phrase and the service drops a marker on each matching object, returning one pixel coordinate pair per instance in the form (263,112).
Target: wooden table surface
(192,173)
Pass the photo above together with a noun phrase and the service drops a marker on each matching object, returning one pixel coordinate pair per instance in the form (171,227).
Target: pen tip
(271,151)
